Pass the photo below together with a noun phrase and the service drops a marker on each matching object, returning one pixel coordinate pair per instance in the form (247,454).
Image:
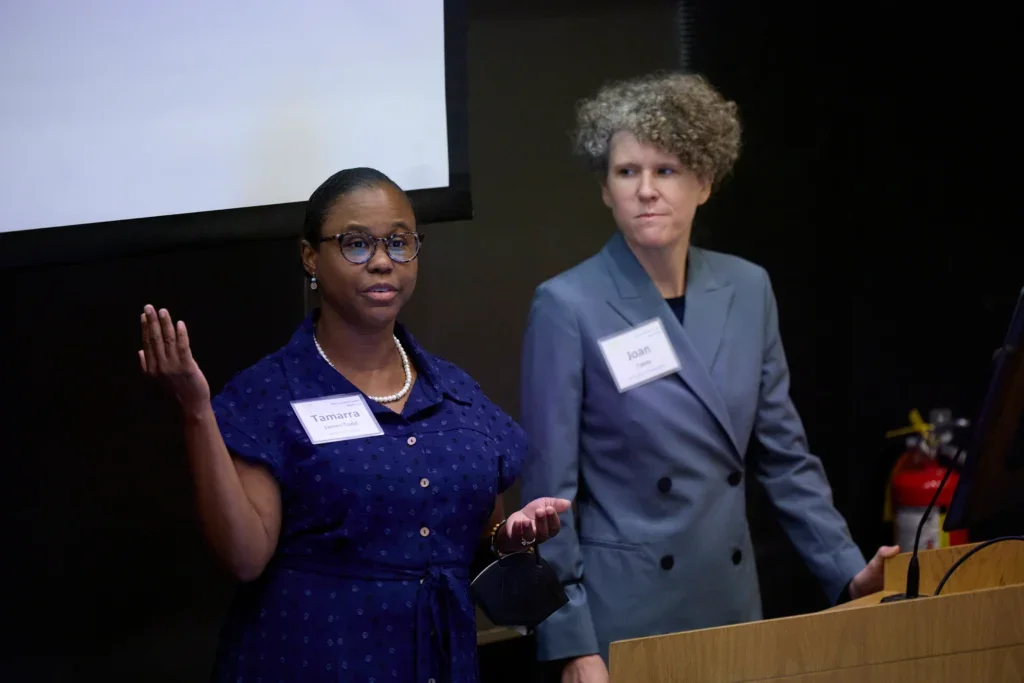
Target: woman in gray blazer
(646,370)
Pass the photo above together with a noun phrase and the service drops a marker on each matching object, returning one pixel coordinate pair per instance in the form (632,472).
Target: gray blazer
(660,542)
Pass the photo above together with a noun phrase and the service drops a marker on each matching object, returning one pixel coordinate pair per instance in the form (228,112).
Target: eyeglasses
(358,247)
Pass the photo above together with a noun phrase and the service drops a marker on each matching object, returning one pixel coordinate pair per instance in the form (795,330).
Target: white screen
(115,109)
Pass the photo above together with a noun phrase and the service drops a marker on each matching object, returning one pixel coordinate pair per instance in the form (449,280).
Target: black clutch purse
(518,591)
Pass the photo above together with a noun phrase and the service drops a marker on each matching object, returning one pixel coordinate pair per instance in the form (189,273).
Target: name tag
(336,418)
(640,355)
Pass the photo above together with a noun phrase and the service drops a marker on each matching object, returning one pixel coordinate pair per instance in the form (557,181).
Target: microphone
(913,567)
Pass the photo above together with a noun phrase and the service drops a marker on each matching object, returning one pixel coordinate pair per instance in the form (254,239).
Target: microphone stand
(913,567)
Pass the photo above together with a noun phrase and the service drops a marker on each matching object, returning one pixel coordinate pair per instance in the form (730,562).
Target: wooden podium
(972,632)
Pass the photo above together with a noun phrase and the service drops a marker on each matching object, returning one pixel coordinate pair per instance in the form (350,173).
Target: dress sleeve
(250,421)
(511,445)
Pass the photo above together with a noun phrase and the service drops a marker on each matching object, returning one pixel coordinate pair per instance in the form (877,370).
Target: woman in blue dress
(347,478)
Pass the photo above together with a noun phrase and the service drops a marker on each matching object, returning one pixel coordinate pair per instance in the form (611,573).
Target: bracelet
(494,538)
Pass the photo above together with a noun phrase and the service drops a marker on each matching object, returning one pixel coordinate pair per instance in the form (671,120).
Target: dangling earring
(312,283)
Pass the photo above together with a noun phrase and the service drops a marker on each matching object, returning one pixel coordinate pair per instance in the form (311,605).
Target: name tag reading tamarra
(639,355)
(336,418)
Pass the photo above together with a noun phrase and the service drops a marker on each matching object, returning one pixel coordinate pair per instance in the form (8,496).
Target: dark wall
(111,577)
(875,187)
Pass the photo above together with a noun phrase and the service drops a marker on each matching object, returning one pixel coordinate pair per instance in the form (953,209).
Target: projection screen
(130,125)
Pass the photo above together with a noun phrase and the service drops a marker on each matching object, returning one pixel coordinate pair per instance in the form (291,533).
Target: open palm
(536,522)
(167,357)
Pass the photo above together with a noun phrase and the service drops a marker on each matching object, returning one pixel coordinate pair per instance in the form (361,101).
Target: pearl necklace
(390,398)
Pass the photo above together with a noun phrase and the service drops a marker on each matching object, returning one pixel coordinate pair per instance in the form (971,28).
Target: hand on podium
(587,669)
(871,579)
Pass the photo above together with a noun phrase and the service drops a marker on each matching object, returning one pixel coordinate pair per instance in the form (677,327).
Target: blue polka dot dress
(370,578)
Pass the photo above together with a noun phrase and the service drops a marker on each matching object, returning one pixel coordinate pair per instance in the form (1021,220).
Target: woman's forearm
(239,505)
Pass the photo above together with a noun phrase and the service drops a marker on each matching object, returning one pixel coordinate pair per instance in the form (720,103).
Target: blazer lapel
(707,307)
(637,300)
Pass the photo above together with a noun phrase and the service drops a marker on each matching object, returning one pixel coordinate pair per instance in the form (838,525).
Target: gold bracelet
(494,538)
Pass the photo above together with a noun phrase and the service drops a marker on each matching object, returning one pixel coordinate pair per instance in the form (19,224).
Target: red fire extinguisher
(915,477)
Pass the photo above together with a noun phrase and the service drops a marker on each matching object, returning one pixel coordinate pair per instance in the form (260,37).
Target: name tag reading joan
(640,355)
(336,418)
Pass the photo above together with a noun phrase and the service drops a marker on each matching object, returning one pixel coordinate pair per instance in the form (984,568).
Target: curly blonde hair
(679,113)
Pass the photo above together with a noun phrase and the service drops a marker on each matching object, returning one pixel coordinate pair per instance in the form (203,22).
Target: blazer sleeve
(794,478)
(551,396)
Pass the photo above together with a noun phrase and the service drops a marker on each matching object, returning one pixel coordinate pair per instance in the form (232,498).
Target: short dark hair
(334,188)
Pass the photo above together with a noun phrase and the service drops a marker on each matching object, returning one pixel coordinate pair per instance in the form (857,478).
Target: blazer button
(737,557)
(667,562)
(735,478)
(664,484)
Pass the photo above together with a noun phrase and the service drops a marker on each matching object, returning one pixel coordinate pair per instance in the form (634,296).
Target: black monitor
(992,480)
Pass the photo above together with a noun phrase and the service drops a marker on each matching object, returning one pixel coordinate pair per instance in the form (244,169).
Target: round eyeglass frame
(417,236)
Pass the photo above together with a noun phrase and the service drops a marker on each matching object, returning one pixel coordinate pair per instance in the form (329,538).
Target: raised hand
(167,357)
